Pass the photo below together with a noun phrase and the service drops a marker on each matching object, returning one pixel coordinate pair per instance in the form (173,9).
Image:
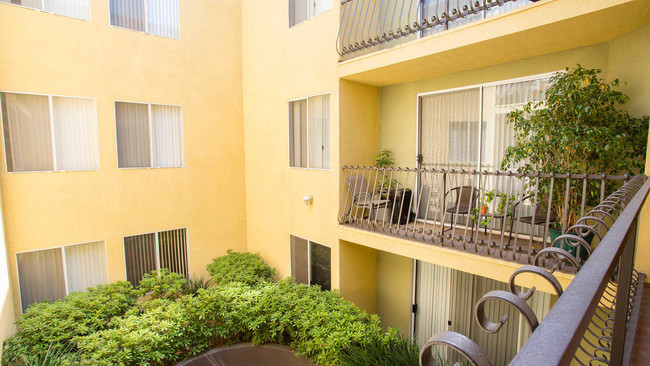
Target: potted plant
(580,127)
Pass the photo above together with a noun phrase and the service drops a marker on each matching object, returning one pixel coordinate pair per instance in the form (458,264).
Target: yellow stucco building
(213,125)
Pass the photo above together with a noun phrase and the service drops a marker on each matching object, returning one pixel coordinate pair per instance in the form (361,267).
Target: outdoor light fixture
(307,199)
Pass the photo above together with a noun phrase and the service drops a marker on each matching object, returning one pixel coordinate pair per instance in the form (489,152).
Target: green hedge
(108,326)
(244,267)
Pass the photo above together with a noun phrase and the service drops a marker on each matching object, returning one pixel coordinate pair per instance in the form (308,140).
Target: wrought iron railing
(511,216)
(594,320)
(367,24)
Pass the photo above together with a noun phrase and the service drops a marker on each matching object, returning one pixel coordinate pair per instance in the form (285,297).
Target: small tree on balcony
(579,128)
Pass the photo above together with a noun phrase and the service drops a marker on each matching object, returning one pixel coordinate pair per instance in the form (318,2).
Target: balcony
(513,217)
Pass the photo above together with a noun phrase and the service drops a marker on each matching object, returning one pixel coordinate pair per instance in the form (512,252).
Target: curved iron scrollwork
(536,271)
(461,344)
(524,309)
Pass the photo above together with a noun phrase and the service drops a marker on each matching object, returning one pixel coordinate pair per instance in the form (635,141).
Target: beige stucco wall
(394,274)
(202,72)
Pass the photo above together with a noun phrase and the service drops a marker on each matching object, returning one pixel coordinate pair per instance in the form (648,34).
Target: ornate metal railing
(594,320)
(505,215)
(369,24)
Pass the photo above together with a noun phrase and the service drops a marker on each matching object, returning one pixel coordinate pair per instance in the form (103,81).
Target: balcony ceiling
(541,28)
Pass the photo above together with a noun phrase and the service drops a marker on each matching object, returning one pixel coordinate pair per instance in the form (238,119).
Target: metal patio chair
(361,196)
(464,200)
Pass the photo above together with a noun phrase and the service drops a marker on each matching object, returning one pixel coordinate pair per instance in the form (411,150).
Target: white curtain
(85,265)
(172,248)
(163,17)
(321,6)
(40,275)
(298,11)
(79,9)
(75,133)
(128,14)
(447,122)
(28,140)
(34,4)
(319,132)
(132,127)
(167,133)
(298,134)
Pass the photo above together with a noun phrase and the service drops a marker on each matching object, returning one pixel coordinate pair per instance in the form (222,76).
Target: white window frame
(308,137)
(309,243)
(308,16)
(145,23)
(157,243)
(151,152)
(42,10)
(51,115)
(65,267)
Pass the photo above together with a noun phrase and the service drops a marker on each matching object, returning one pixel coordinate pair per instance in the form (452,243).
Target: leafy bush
(162,284)
(47,327)
(247,268)
(194,284)
(383,350)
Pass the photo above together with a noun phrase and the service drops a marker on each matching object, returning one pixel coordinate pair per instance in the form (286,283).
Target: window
(79,9)
(149,135)
(309,133)
(311,263)
(49,133)
(148,252)
(301,10)
(50,274)
(157,17)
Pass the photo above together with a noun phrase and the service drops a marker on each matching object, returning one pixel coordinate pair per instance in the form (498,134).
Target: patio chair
(537,218)
(464,202)
(361,196)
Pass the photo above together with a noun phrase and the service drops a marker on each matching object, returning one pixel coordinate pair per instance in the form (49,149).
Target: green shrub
(194,284)
(49,326)
(162,284)
(383,350)
(247,268)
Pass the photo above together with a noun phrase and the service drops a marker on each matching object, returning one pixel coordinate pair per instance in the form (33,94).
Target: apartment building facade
(162,133)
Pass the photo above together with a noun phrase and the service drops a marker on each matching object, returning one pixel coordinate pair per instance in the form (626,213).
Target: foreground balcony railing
(595,318)
(367,24)
(510,216)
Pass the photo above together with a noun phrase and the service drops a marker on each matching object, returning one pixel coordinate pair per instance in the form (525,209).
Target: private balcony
(513,217)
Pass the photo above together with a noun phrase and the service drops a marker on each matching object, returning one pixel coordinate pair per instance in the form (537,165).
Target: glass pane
(167,133)
(40,274)
(298,134)
(128,14)
(319,132)
(298,11)
(27,135)
(34,4)
(321,272)
(321,6)
(163,18)
(172,247)
(79,9)
(299,260)
(85,265)
(140,256)
(132,121)
(75,133)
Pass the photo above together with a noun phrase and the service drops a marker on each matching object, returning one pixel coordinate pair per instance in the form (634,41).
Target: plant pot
(555,233)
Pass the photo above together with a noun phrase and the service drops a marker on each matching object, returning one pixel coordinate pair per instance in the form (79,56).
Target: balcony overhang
(537,29)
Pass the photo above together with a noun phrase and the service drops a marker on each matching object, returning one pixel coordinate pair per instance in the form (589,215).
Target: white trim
(42,10)
(51,116)
(331,134)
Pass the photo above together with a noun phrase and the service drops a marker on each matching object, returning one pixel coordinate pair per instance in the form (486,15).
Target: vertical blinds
(44,133)
(149,135)
(148,252)
(159,17)
(79,9)
(310,133)
(301,10)
(50,274)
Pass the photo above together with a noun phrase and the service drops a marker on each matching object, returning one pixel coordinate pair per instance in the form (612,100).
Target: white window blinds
(79,9)
(149,135)
(310,133)
(148,252)
(45,133)
(158,17)
(301,10)
(51,274)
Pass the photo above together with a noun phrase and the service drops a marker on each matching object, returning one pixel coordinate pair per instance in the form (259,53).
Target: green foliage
(382,350)
(48,327)
(162,284)
(245,267)
(579,128)
(195,283)
(385,160)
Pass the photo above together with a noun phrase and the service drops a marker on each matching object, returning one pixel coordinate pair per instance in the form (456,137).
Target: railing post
(624,280)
